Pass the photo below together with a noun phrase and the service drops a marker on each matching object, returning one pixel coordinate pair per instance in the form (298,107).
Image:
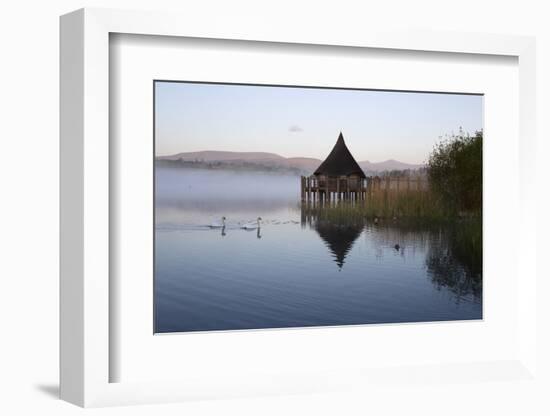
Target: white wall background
(29,204)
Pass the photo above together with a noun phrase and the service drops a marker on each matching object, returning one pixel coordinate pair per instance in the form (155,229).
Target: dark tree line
(455,172)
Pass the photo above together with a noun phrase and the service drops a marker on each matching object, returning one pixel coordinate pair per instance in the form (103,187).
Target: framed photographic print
(279,225)
(270,212)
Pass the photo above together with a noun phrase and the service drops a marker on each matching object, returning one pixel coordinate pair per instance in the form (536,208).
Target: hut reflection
(339,235)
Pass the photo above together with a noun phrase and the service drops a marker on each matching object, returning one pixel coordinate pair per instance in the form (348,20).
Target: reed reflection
(452,252)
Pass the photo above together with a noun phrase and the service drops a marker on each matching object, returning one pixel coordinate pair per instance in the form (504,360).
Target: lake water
(298,270)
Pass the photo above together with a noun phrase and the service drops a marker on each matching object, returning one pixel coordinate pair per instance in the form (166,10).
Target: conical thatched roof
(340,162)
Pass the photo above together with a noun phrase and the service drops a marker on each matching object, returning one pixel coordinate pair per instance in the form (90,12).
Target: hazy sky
(376,125)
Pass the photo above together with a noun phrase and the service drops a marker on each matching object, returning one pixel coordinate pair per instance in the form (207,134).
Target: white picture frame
(85,206)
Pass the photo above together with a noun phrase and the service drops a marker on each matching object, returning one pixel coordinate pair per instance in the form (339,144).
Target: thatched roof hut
(338,177)
(340,162)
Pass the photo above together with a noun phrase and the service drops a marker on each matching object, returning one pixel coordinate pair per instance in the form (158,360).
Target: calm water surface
(297,270)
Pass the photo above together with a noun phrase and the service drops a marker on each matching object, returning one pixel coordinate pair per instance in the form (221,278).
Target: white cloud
(295,129)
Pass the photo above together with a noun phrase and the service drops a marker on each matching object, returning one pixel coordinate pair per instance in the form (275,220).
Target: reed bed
(384,205)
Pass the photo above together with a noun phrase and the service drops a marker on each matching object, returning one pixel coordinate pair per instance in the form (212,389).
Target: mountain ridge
(306,164)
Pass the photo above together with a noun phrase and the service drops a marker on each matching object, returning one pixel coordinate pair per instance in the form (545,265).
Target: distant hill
(387,165)
(215,155)
(267,161)
(307,164)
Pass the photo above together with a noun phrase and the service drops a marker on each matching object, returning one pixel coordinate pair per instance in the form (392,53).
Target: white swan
(252,225)
(218,224)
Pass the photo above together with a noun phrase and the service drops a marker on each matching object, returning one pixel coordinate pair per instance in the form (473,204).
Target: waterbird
(252,225)
(218,224)
(397,247)
(376,220)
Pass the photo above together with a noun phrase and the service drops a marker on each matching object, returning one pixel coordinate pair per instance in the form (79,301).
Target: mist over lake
(298,269)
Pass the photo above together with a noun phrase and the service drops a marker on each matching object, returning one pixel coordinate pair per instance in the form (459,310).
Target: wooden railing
(333,188)
(322,188)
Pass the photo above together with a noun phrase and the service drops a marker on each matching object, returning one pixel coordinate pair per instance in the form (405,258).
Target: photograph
(275,208)
(280,206)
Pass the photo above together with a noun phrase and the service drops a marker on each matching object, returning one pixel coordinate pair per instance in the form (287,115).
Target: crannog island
(447,187)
